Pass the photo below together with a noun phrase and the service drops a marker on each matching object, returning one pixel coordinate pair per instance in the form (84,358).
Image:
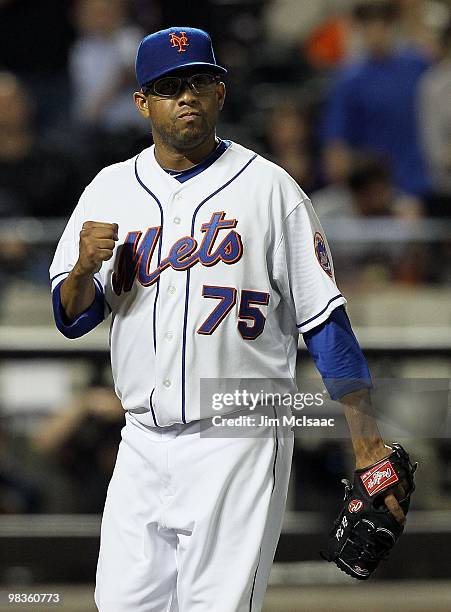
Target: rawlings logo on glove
(365,530)
(379,477)
(355,506)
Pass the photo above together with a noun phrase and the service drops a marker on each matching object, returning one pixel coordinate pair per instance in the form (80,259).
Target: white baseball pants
(191,522)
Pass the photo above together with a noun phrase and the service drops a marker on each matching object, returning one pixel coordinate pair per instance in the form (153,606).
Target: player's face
(186,120)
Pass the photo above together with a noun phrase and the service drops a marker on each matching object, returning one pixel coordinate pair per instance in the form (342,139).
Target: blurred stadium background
(373,152)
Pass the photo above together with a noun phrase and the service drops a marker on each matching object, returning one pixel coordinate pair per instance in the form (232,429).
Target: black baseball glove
(365,530)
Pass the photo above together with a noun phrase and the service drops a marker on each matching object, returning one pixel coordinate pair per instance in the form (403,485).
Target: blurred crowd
(351,97)
(65,463)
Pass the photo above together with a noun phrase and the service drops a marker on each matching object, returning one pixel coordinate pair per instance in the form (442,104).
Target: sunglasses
(169,87)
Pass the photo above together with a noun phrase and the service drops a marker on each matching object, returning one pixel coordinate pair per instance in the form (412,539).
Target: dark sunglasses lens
(202,82)
(169,86)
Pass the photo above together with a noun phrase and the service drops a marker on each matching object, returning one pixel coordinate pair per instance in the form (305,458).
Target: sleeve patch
(321,254)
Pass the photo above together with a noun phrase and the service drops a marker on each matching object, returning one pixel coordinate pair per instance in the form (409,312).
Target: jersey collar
(185,175)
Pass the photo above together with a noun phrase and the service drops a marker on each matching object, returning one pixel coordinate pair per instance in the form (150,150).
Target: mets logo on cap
(179,41)
(321,254)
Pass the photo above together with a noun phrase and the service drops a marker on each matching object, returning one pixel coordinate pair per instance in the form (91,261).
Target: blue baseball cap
(168,50)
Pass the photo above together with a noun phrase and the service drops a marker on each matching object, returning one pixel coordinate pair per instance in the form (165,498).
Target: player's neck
(174,159)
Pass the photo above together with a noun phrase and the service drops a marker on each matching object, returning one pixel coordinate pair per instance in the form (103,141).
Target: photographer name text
(264,420)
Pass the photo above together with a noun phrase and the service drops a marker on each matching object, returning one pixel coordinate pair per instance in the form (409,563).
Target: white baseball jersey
(211,278)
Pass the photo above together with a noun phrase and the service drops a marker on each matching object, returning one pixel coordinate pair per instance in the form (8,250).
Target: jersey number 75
(247,311)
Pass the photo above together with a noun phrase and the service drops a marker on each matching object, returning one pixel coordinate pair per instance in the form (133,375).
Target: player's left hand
(374,514)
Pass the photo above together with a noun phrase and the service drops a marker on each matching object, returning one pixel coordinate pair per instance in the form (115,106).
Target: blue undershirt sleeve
(338,356)
(85,321)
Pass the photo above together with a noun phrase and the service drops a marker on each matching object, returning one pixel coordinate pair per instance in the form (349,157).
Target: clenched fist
(97,242)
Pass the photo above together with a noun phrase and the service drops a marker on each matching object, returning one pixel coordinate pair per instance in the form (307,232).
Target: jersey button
(172,289)
(179,196)
(167,383)
(169,335)
(177,220)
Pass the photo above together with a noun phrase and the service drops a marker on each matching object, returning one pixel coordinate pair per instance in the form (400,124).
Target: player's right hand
(97,242)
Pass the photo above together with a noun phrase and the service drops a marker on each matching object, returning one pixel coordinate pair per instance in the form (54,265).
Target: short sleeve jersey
(211,278)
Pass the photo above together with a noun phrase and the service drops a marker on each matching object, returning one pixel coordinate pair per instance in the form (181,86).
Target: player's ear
(141,104)
(221,94)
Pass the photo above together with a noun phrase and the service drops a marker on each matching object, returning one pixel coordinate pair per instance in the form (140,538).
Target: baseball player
(210,261)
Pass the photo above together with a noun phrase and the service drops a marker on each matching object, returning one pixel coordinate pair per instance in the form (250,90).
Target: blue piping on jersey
(254,580)
(60,274)
(188,276)
(276,452)
(157,292)
(336,297)
(151,408)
